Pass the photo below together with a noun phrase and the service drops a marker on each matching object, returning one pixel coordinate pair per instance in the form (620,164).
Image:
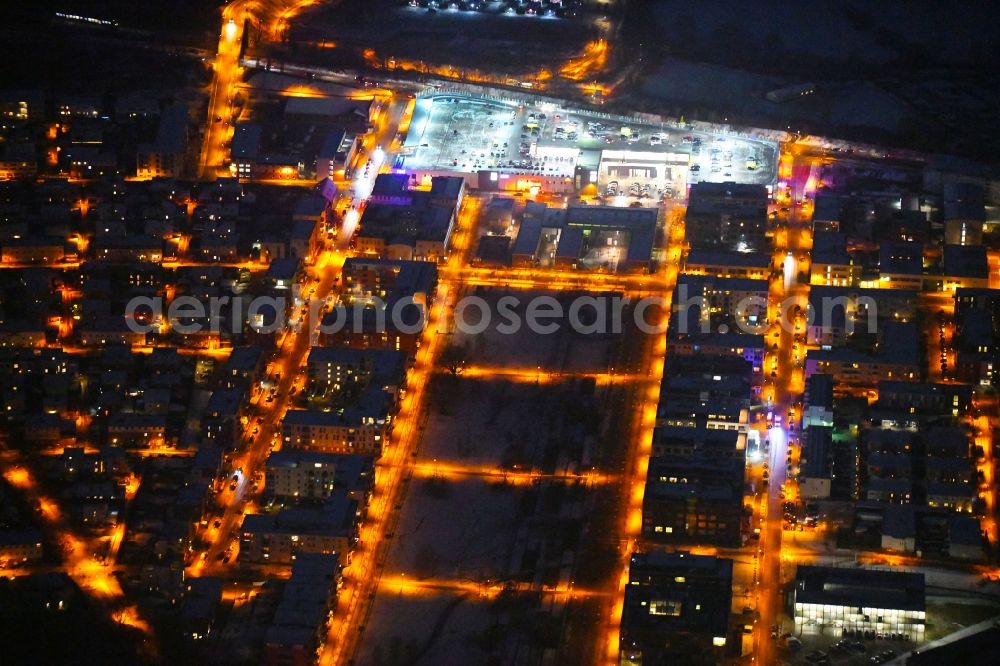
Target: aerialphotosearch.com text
(507,314)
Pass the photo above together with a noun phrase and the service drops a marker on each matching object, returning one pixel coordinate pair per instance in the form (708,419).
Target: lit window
(667,607)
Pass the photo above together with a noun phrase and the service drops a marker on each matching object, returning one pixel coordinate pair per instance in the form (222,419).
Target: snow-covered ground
(403,626)
(857,55)
(563,350)
(464,526)
(717,88)
(833,29)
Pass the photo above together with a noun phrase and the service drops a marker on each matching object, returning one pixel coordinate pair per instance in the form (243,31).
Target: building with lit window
(818,401)
(292,474)
(933,467)
(716,414)
(360,428)
(21,105)
(276,538)
(32,250)
(586,237)
(365,279)
(403,222)
(696,344)
(976,339)
(344,370)
(675,603)
(712,392)
(977,299)
(135,430)
(394,325)
(694,500)
(129,249)
(724,300)
(731,216)
(900,265)
(816,463)
(165,156)
(224,417)
(719,316)
(243,368)
(857,368)
(245,149)
(78,107)
(837,313)
(977,314)
(300,623)
(728,264)
(835,601)
(686,441)
(23,333)
(17,160)
(933,400)
(827,212)
(337,151)
(831,264)
(964,213)
(18,547)
(964,266)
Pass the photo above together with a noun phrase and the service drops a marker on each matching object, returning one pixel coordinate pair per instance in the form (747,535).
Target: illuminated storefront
(838,602)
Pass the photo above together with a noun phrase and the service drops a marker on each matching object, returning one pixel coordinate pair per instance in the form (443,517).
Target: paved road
(218,128)
(784,388)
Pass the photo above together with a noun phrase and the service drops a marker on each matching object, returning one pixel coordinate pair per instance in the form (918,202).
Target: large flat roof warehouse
(468,134)
(459,133)
(859,587)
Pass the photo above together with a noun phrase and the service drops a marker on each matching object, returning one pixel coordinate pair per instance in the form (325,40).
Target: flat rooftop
(728,258)
(467,133)
(864,588)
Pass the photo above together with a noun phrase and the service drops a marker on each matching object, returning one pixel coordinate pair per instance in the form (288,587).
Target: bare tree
(454,358)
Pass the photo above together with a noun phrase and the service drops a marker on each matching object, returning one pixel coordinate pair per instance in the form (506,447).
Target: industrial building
(834,601)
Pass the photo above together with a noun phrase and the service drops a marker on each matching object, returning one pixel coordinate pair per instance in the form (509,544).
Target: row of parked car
(852,646)
(634,190)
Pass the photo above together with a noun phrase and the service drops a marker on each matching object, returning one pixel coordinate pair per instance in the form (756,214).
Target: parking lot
(466,135)
(507,8)
(462,133)
(853,651)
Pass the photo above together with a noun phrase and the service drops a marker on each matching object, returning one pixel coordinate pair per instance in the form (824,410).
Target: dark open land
(162,16)
(921,75)
(86,58)
(883,73)
(488,41)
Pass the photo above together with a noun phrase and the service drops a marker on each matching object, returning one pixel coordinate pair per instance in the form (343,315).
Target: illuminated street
(295,346)
(391,484)
(781,392)
(80,555)
(226,69)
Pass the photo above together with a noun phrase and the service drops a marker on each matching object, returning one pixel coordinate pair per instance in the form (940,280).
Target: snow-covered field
(833,29)
(466,524)
(723,62)
(563,350)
